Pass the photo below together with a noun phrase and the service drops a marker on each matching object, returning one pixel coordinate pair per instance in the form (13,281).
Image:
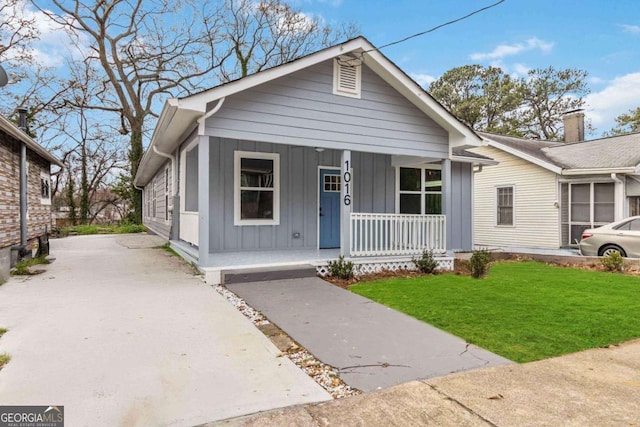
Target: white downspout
(205,116)
(173,168)
(618,212)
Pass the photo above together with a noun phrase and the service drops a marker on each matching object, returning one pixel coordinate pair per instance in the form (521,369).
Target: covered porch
(375,242)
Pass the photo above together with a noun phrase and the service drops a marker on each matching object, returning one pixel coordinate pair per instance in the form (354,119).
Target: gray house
(336,153)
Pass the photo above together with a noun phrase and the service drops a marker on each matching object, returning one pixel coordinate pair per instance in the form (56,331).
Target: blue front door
(329,209)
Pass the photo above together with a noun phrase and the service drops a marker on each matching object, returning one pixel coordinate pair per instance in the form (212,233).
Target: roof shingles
(605,153)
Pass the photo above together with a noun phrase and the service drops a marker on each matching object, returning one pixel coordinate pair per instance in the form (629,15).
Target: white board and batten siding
(301,110)
(536,215)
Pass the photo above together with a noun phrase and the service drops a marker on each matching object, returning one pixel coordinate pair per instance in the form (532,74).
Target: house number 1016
(346,179)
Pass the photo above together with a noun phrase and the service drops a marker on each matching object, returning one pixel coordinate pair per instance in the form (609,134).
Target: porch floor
(269,258)
(258,258)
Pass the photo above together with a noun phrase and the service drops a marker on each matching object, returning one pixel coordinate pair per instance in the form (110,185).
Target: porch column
(447,199)
(203,200)
(346,199)
(619,198)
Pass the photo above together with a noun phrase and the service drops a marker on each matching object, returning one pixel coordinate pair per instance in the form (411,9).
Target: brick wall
(38,214)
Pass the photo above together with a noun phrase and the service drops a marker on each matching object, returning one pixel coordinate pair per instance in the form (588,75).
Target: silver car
(621,236)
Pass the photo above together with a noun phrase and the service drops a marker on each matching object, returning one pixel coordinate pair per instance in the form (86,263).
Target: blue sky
(600,37)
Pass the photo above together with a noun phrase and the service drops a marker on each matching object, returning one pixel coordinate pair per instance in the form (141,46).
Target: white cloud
(54,43)
(520,70)
(49,50)
(619,96)
(633,29)
(505,50)
(423,80)
(596,80)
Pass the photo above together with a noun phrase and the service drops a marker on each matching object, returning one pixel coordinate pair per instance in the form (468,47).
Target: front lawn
(523,311)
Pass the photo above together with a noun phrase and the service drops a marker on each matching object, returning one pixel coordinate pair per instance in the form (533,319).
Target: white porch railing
(396,234)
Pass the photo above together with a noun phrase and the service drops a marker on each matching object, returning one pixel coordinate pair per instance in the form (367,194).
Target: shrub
(427,264)
(341,269)
(479,263)
(613,261)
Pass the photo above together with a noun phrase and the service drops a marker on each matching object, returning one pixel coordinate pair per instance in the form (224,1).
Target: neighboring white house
(338,152)
(542,195)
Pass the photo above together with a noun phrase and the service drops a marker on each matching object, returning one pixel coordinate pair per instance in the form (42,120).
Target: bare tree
(143,49)
(17,31)
(266,33)
(93,149)
(146,50)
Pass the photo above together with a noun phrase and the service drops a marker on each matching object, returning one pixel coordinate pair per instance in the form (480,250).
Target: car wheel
(609,249)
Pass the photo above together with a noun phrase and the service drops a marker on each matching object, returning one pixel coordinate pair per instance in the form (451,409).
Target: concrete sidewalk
(122,334)
(599,387)
(371,346)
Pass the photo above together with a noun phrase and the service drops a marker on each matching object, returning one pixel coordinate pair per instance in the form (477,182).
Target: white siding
(536,218)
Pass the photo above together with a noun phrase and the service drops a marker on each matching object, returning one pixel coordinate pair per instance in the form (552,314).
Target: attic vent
(346,77)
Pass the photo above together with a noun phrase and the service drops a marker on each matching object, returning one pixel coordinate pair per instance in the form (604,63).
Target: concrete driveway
(372,346)
(123,334)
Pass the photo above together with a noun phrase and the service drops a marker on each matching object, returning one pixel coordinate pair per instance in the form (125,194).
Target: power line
(430,30)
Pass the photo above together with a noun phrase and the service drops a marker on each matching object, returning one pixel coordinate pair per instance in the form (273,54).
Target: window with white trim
(504,206)
(256,188)
(45,188)
(419,190)
(347,76)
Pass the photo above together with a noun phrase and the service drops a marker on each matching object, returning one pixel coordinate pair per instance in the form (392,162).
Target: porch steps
(263,274)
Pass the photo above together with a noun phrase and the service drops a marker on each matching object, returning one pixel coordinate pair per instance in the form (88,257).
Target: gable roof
(616,154)
(526,149)
(15,132)
(179,116)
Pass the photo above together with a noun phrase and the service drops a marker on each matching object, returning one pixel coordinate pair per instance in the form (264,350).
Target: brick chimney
(573,126)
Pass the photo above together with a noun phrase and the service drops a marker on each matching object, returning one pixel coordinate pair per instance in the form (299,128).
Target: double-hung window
(420,191)
(504,206)
(257,188)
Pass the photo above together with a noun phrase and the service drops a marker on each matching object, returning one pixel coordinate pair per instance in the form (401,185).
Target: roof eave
(19,135)
(599,171)
(524,156)
(166,136)
(474,160)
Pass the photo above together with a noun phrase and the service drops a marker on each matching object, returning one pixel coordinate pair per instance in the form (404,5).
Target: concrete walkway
(372,346)
(122,334)
(598,388)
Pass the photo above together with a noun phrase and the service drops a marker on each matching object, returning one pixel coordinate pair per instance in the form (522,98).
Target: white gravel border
(321,373)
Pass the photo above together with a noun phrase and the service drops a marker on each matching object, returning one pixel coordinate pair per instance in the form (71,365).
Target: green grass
(523,311)
(103,229)
(23,267)
(167,248)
